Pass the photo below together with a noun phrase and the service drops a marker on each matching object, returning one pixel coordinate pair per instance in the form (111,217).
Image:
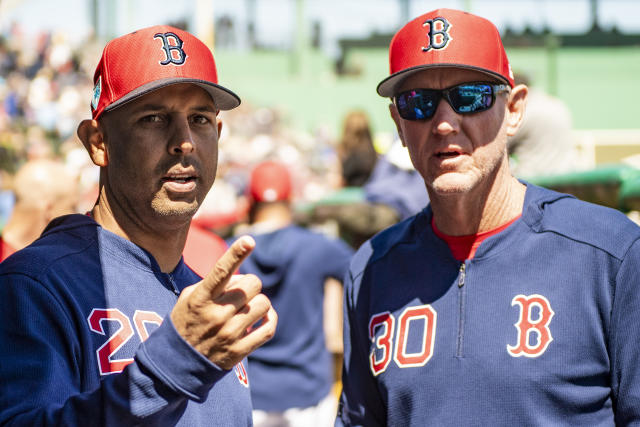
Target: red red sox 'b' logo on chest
(534,335)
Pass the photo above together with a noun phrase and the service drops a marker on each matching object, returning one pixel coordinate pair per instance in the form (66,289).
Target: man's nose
(182,141)
(445,119)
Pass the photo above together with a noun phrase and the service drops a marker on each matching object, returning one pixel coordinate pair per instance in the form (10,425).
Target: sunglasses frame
(444,93)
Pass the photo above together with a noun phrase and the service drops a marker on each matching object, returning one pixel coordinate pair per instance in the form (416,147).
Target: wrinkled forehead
(443,77)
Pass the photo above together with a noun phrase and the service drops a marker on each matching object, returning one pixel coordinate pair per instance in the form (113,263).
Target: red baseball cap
(151,58)
(270,182)
(446,38)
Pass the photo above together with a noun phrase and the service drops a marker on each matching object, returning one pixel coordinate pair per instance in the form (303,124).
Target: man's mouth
(180,182)
(179,179)
(447,154)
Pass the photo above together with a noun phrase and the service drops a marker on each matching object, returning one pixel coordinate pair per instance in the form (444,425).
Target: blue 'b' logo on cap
(439,36)
(173,51)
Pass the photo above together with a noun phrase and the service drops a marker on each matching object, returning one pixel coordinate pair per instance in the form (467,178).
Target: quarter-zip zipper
(174,287)
(461,308)
(461,275)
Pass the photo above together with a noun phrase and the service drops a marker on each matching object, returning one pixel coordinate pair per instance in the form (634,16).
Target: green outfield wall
(601,86)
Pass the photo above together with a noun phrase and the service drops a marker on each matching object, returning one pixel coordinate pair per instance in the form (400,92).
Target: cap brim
(388,86)
(223,98)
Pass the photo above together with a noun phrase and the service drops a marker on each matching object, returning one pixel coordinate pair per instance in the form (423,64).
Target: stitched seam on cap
(107,75)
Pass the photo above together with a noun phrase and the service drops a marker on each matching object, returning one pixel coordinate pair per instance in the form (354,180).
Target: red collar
(464,247)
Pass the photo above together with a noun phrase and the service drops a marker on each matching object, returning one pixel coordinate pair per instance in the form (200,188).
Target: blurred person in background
(395,183)
(544,144)
(357,219)
(389,181)
(301,273)
(43,190)
(377,190)
(356,151)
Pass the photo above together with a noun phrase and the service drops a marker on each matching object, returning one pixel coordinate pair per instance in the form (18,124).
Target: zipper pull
(174,288)
(463,267)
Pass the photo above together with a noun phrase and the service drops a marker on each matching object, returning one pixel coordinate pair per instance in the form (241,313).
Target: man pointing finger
(215,314)
(104,322)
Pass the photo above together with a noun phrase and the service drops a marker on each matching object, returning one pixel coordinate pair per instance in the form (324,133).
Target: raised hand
(217,315)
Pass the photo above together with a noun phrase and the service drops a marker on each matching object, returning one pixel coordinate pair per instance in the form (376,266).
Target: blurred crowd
(45,91)
(343,185)
(45,85)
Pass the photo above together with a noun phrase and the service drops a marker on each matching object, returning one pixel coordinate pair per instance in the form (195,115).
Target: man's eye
(200,119)
(152,118)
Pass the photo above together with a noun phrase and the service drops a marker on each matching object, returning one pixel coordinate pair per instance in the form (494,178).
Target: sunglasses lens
(417,104)
(467,98)
(471,98)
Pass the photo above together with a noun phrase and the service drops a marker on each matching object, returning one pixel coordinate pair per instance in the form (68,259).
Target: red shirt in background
(202,250)
(5,249)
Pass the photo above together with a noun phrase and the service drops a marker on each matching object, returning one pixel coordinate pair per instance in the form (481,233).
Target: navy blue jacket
(541,327)
(83,341)
(294,368)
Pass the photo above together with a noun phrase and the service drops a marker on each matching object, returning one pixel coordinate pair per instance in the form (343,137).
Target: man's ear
(516,105)
(92,138)
(397,120)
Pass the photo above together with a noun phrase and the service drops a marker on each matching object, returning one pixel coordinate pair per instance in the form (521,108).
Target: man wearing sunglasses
(501,303)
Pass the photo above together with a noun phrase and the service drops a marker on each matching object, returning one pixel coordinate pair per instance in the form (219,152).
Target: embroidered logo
(534,335)
(97,91)
(414,338)
(381,329)
(174,54)
(241,373)
(439,36)
(116,326)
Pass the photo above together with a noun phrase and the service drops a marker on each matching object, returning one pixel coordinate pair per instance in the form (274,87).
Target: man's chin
(176,210)
(451,184)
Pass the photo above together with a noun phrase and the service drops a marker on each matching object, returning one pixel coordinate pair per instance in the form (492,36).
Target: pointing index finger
(215,282)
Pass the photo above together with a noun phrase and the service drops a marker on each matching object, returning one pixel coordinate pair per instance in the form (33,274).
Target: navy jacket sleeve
(44,376)
(625,340)
(360,401)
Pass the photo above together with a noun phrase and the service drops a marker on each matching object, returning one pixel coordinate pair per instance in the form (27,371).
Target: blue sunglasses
(465,98)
